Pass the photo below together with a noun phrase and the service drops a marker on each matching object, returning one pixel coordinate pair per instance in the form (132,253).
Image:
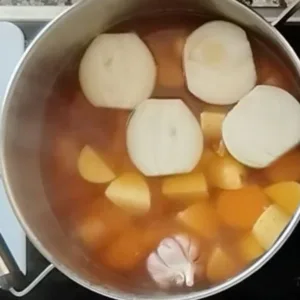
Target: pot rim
(65,270)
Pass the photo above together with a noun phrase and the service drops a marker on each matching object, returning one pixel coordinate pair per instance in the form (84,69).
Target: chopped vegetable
(167,47)
(184,187)
(131,193)
(220,149)
(270,225)
(66,152)
(249,248)
(221,266)
(255,131)
(99,224)
(226,173)
(285,168)
(93,168)
(117,71)
(127,251)
(211,120)
(218,63)
(241,208)
(285,194)
(201,219)
(164,138)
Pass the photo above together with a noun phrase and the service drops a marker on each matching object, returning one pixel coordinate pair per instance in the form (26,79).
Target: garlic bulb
(218,63)
(117,71)
(164,138)
(173,263)
(262,127)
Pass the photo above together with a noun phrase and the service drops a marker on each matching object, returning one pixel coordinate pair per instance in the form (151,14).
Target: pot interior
(46,89)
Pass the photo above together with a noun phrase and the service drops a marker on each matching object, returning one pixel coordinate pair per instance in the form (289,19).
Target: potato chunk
(93,168)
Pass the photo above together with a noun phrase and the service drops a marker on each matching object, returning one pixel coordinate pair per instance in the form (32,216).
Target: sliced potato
(249,249)
(93,168)
(270,225)
(131,193)
(241,208)
(226,173)
(221,266)
(285,194)
(185,187)
(200,218)
(211,123)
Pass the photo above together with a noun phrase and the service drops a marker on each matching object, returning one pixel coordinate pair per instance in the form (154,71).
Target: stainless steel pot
(23,114)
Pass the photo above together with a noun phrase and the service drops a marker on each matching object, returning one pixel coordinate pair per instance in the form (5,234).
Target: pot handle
(8,273)
(286,14)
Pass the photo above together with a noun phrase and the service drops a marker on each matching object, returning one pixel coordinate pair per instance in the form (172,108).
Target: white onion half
(218,62)
(263,126)
(117,71)
(164,138)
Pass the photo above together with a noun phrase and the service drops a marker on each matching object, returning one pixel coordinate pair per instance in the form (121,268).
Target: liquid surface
(109,235)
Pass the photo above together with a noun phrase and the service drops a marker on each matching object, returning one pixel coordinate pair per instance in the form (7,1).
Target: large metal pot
(23,115)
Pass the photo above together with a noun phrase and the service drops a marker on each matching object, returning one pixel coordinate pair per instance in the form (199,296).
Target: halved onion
(262,127)
(164,138)
(118,71)
(218,63)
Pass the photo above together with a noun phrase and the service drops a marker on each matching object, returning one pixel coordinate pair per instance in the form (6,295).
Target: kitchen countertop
(67,2)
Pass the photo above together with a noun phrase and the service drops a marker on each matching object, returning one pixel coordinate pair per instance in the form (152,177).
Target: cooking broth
(109,235)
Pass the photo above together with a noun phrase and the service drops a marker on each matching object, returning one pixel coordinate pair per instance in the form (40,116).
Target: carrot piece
(200,218)
(125,252)
(241,208)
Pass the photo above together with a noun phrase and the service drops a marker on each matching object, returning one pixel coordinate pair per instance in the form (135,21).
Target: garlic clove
(270,225)
(173,263)
(183,187)
(117,71)
(93,168)
(218,54)
(164,138)
(131,193)
(262,127)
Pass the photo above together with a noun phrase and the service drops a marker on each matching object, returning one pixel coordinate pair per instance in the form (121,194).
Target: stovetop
(278,280)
